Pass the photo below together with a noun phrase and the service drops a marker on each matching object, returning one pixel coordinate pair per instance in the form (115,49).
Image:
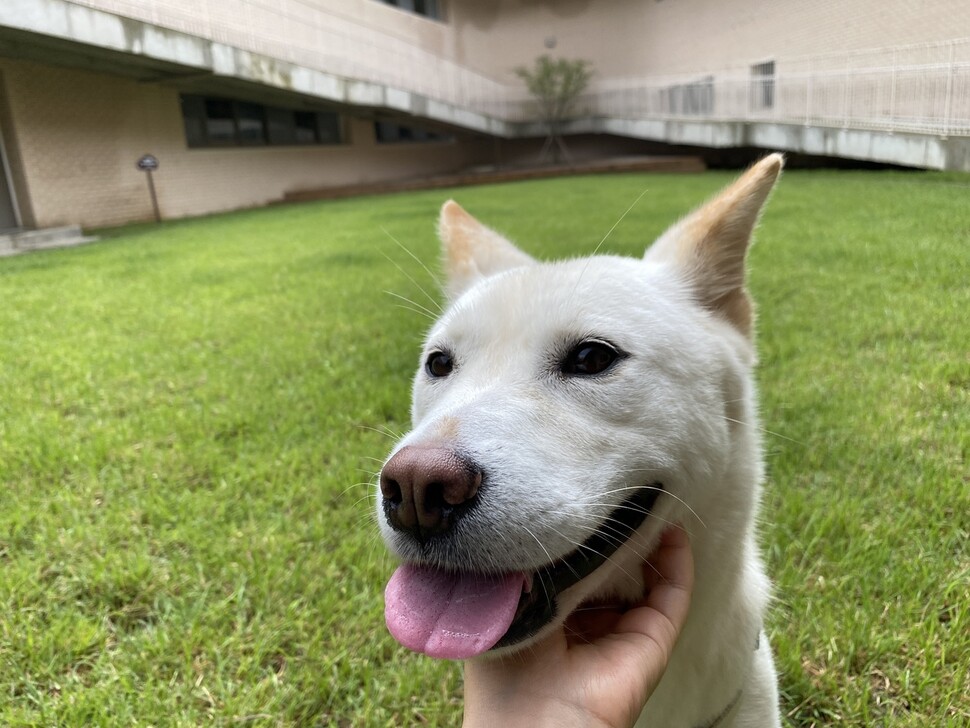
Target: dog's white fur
(561,453)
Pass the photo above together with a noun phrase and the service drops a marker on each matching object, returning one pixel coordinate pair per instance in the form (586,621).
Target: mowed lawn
(192,414)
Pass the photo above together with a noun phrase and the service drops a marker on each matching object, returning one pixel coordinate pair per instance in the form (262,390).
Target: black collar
(729,708)
(724,713)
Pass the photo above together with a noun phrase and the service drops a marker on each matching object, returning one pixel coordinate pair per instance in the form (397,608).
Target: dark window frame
(763,85)
(391,132)
(255,125)
(428,9)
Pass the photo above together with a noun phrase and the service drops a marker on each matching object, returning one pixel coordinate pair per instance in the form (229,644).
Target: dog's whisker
(626,488)
(541,545)
(617,223)
(609,559)
(434,301)
(367,484)
(601,525)
(392,432)
(606,525)
(615,472)
(416,310)
(605,237)
(584,547)
(420,262)
(598,606)
(376,553)
(549,556)
(543,570)
(385,432)
(763,429)
(368,521)
(360,483)
(355,486)
(368,495)
(622,489)
(412,302)
(648,487)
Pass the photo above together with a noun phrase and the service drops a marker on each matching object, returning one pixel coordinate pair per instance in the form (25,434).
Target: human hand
(600,668)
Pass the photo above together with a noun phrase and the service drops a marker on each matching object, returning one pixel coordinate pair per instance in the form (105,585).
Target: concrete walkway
(24,241)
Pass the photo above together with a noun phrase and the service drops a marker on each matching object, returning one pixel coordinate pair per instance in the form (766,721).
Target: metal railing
(926,98)
(920,88)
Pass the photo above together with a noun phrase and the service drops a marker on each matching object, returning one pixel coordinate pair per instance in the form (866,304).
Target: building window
(218,122)
(428,8)
(305,127)
(763,85)
(387,132)
(250,124)
(328,128)
(280,127)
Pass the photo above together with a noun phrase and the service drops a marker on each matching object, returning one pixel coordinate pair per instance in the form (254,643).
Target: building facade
(244,101)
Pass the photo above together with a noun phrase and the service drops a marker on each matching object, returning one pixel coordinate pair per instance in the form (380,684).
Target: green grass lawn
(191,416)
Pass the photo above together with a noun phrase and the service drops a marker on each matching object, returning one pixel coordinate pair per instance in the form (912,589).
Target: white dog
(565,413)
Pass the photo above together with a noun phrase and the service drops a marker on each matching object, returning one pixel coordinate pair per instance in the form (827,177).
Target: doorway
(8,211)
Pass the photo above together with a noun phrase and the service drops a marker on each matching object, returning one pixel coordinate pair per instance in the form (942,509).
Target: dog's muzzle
(455,615)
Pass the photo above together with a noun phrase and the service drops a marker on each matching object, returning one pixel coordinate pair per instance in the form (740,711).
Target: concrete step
(22,241)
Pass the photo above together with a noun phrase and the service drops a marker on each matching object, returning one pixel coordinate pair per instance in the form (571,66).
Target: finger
(644,636)
(661,615)
(673,564)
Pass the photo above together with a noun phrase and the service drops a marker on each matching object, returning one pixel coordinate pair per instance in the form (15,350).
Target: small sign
(147,163)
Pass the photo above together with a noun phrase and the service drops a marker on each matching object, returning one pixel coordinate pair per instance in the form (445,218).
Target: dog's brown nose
(426,488)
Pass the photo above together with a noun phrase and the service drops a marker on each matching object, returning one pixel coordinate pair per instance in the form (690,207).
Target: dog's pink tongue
(447,615)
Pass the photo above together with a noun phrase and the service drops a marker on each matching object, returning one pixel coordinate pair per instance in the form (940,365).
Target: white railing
(920,88)
(920,99)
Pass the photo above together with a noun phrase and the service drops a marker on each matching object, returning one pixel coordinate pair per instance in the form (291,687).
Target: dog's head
(563,413)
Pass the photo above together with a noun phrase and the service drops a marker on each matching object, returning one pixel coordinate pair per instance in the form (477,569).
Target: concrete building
(244,101)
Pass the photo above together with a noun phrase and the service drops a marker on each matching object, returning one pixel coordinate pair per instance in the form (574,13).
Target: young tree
(555,84)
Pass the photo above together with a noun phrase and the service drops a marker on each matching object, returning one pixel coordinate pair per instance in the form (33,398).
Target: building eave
(60,33)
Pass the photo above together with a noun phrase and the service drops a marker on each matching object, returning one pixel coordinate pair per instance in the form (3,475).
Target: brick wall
(78,136)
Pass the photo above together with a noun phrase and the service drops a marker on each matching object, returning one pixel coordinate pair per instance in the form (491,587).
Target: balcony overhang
(60,33)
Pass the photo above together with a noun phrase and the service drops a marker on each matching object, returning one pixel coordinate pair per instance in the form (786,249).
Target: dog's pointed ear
(472,251)
(710,245)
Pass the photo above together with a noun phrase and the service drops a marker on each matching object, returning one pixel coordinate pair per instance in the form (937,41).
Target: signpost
(148,163)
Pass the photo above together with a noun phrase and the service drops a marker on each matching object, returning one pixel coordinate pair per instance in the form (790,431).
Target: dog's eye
(589,357)
(439,364)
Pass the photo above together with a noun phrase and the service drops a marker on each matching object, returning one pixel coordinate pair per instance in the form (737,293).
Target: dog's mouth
(456,616)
